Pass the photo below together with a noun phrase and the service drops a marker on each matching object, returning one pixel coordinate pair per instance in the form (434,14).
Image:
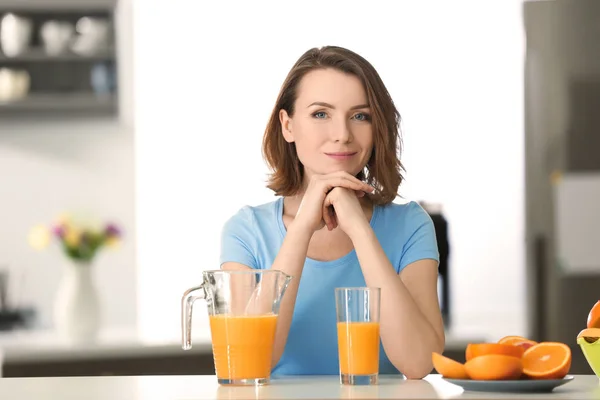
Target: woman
(332,143)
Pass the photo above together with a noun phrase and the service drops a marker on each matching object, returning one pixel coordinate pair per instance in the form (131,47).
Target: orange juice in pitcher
(243,307)
(242,345)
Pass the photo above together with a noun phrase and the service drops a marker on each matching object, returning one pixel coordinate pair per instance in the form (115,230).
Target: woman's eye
(319,114)
(361,117)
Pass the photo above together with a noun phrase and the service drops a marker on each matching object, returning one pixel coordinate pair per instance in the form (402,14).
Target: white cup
(15,34)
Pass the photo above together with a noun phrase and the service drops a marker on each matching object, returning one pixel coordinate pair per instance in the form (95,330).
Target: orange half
(590,335)
(517,341)
(547,360)
(483,349)
(593,320)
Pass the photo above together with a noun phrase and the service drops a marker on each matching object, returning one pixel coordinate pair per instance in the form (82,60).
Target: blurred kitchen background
(149,115)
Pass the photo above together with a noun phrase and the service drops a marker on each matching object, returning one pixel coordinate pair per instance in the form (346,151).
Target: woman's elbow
(424,365)
(418,371)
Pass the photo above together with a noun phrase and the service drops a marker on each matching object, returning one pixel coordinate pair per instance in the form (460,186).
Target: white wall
(207,75)
(46,169)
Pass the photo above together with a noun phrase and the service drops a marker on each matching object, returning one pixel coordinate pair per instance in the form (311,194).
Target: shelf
(60,103)
(39,55)
(56,5)
(62,86)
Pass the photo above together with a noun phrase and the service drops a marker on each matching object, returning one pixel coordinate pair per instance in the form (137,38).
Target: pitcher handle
(187,302)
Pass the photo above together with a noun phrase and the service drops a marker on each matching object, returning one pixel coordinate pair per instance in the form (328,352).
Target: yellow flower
(39,237)
(63,219)
(112,242)
(72,237)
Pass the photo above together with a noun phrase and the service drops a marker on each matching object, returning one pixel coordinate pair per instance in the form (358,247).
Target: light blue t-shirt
(253,237)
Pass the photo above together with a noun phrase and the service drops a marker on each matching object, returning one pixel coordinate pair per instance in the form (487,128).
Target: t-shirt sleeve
(421,243)
(238,241)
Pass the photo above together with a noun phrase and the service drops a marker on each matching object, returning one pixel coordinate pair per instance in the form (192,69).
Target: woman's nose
(341,133)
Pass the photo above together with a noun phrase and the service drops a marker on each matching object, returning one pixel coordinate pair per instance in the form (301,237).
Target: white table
(206,387)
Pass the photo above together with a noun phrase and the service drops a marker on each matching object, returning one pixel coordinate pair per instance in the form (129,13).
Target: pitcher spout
(284,282)
(286,279)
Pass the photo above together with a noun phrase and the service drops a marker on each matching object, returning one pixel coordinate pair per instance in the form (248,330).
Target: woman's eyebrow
(323,104)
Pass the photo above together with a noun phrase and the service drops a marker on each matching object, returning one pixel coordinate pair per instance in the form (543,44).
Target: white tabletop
(206,387)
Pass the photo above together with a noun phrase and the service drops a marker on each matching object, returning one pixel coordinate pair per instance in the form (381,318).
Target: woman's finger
(333,182)
(364,187)
(327,216)
(334,217)
(352,178)
(329,211)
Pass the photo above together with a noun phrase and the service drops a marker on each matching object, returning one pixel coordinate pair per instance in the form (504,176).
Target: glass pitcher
(243,307)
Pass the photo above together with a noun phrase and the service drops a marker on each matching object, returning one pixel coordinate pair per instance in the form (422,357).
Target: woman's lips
(341,155)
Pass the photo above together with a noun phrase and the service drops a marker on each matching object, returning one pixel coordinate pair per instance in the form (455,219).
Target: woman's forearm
(290,259)
(407,336)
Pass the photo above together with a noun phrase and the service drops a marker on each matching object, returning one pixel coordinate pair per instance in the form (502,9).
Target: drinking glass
(357,310)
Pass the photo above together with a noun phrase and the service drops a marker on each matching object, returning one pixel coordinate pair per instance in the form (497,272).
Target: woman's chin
(332,169)
(351,171)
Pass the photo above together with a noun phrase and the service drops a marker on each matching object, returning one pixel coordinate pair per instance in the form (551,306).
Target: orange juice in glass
(243,307)
(357,312)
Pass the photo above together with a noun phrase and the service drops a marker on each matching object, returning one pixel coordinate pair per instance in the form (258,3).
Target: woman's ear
(286,126)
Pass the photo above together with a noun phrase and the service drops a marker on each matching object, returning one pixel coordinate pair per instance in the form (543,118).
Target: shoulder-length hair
(384,168)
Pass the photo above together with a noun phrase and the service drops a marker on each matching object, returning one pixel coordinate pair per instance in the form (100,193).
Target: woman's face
(331,125)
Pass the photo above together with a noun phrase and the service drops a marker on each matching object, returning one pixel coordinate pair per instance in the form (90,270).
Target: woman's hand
(311,214)
(342,206)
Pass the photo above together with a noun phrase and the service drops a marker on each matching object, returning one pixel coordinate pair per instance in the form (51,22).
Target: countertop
(23,346)
(322,387)
(44,345)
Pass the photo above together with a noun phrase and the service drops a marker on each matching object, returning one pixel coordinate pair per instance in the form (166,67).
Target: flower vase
(77,306)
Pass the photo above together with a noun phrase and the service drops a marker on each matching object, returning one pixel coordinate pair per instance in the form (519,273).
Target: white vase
(77,306)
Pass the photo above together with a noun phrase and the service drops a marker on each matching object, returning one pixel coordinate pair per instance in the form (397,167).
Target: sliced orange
(494,367)
(593,320)
(547,360)
(591,335)
(448,367)
(482,349)
(517,341)
(469,352)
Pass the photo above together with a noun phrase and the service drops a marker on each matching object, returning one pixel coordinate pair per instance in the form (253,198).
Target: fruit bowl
(589,341)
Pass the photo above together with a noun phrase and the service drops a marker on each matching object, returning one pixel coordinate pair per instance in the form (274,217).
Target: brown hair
(384,168)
